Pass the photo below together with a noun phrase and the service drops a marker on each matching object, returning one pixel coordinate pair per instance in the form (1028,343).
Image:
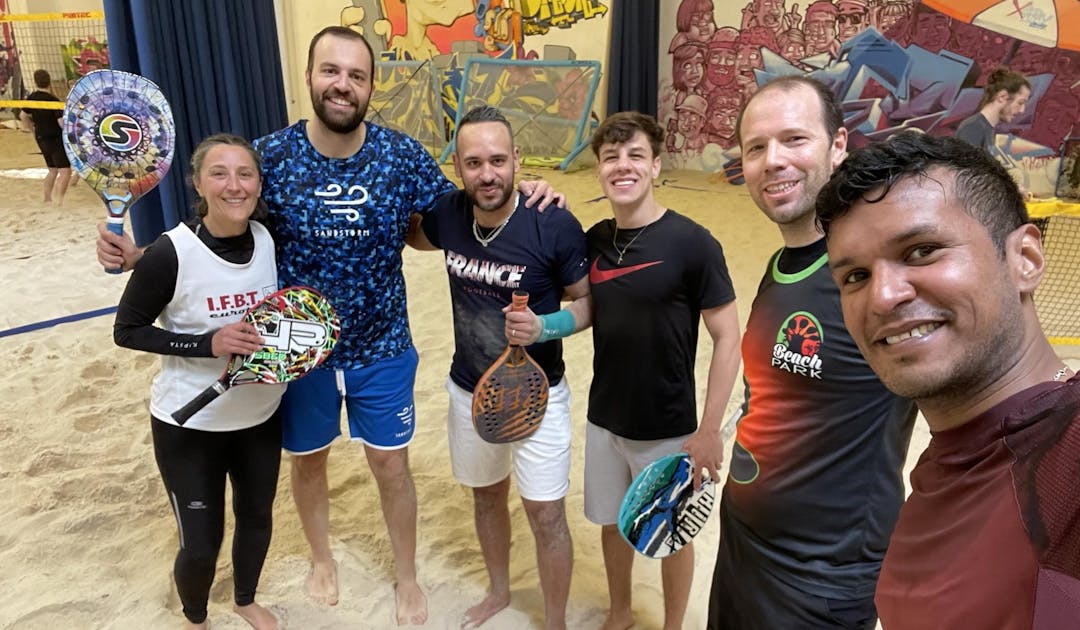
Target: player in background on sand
(815,482)
(49,138)
(655,276)
(220,252)
(341,194)
(480,228)
(937,263)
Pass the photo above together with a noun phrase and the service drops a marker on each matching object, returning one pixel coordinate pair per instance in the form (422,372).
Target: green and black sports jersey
(815,482)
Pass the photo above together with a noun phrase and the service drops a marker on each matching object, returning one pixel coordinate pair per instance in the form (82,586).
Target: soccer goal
(548,104)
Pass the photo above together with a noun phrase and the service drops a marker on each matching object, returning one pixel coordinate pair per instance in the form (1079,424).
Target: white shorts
(541,462)
(612,463)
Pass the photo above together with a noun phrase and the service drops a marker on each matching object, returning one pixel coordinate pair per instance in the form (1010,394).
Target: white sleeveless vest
(211,292)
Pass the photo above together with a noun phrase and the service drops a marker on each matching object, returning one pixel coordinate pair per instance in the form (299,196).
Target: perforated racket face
(118,135)
(661,513)
(510,400)
(299,328)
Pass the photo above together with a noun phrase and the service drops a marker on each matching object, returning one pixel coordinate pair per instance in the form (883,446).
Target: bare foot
(486,609)
(411,604)
(322,585)
(621,621)
(259,617)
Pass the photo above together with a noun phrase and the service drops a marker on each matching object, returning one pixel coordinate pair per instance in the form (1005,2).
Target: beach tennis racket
(661,513)
(299,329)
(119,136)
(511,397)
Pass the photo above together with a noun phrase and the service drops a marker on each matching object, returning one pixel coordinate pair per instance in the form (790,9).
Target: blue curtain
(633,58)
(217,64)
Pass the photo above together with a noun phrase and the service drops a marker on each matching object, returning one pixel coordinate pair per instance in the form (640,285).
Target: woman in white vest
(184,301)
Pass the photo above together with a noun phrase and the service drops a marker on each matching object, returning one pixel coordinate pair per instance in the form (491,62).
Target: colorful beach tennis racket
(299,330)
(119,136)
(510,399)
(661,513)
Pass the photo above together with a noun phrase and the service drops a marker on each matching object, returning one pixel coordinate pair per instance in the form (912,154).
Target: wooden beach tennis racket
(119,136)
(299,329)
(510,399)
(661,513)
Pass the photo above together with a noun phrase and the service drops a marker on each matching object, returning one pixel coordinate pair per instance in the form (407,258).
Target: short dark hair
(981,185)
(344,33)
(485,113)
(832,117)
(1002,79)
(620,127)
(42,78)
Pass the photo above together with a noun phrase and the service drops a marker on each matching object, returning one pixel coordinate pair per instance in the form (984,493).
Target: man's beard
(506,193)
(343,126)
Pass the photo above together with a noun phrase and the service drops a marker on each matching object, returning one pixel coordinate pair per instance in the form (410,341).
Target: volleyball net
(66,45)
(1057,299)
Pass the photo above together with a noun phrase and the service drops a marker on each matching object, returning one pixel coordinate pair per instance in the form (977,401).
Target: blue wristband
(556,325)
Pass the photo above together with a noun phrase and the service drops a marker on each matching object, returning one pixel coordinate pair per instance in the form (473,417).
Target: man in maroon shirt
(937,264)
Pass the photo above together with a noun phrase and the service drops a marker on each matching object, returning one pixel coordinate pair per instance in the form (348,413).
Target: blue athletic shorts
(378,400)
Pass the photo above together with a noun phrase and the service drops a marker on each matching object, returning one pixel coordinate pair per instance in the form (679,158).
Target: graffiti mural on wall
(425,29)
(9,60)
(423,46)
(83,56)
(893,63)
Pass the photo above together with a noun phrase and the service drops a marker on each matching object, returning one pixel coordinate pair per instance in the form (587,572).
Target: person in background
(1005,96)
(49,138)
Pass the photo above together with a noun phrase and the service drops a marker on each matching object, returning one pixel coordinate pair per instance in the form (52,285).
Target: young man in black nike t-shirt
(653,272)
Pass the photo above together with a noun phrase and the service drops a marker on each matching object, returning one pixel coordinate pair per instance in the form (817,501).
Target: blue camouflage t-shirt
(340,224)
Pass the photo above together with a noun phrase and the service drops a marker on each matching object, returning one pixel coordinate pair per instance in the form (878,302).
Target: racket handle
(519,300)
(184,413)
(116,226)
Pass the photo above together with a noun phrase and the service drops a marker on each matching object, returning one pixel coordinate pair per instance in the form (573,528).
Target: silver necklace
(1060,373)
(622,252)
(494,233)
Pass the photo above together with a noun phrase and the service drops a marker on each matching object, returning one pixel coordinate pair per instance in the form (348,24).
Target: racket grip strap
(116,226)
(556,325)
(184,413)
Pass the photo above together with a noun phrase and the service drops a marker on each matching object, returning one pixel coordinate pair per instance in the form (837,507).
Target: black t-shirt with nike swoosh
(647,311)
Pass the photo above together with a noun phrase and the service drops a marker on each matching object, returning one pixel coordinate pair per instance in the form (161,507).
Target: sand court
(86,535)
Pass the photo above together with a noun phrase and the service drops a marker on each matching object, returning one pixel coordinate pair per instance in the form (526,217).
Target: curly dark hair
(981,185)
(621,126)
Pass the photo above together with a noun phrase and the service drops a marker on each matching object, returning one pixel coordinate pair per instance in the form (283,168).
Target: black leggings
(193,465)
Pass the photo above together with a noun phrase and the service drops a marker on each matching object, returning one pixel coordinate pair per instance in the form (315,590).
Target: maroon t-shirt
(990,536)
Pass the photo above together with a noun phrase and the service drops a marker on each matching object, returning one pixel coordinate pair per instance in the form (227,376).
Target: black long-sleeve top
(151,287)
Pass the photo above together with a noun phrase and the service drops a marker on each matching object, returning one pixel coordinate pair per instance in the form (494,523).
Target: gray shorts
(611,463)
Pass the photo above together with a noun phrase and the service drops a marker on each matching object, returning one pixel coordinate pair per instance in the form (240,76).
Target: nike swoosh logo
(598,275)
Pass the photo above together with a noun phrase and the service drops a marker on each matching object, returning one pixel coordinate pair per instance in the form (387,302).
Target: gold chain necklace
(622,252)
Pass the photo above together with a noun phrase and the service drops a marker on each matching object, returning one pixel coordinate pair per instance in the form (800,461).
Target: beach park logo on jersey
(797,345)
(120,132)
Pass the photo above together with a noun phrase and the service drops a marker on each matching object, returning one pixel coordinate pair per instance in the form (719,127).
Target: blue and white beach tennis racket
(661,513)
